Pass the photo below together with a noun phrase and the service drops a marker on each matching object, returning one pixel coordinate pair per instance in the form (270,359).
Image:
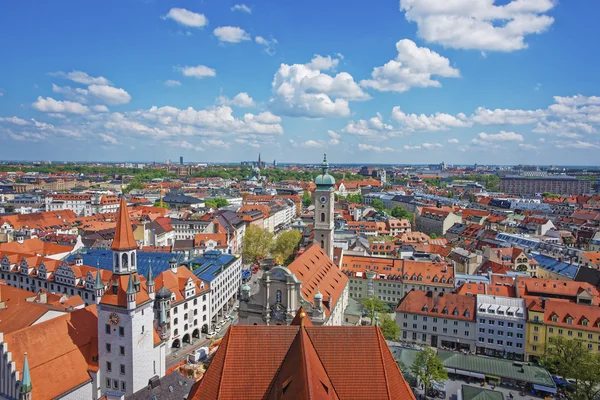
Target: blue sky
(403,81)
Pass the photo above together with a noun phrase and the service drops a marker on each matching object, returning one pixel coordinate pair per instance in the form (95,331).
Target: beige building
(435,220)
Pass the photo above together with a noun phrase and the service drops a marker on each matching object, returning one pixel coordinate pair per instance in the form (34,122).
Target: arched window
(278,296)
(124,261)
(133,259)
(116,259)
(322,217)
(322,244)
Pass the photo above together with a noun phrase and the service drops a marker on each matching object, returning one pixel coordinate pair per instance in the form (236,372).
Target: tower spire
(26,385)
(325,164)
(124,239)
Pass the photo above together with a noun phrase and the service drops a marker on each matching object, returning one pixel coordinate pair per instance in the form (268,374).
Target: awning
(559,381)
(468,373)
(544,388)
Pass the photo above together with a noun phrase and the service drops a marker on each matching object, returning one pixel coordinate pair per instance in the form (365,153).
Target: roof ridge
(387,384)
(229,333)
(276,374)
(321,361)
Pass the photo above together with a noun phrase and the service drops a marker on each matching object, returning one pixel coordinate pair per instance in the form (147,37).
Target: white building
(80,204)
(501,327)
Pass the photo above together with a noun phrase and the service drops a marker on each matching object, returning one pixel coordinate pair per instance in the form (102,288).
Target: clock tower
(127,355)
(323,199)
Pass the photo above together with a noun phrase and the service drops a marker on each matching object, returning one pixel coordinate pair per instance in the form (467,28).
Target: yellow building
(553,318)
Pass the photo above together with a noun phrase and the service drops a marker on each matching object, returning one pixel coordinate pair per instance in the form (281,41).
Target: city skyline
(506,83)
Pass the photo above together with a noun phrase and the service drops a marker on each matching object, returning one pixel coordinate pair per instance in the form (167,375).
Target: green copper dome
(324,180)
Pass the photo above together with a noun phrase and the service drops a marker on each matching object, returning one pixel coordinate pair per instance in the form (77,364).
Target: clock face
(113,318)
(323,199)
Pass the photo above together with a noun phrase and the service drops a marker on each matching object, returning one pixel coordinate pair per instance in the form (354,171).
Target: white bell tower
(324,199)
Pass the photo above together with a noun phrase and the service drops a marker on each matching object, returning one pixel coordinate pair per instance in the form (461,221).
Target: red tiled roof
(124,239)
(317,272)
(304,360)
(66,345)
(448,305)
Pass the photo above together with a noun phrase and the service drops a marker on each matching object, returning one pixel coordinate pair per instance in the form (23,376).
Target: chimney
(43,297)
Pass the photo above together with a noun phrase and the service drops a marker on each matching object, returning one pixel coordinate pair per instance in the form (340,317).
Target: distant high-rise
(274,163)
(181,160)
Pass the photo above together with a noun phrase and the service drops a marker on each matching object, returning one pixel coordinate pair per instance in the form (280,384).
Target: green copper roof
(325,179)
(130,287)
(99,284)
(26,381)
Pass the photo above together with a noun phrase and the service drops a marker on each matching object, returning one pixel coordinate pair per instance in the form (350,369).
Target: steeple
(130,293)
(124,239)
(99,285)
(325,164)
(26,386)
(150,282)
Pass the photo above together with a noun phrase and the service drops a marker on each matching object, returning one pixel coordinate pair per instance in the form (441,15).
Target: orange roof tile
(317,272)
(294,357)
(449,305)
(65,343)
(124,239)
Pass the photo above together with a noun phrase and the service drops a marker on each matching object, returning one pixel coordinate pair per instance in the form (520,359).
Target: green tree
(134,185)
(161,204)
(216,203)
(588,377)
(286,246)
(428,368)
(306,200)
(258,243)
(378,205)
(388,327)
(433,235)
(399,212)
(371,306)
(355,198)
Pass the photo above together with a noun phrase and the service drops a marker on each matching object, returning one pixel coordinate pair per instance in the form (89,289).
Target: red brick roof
(297,362)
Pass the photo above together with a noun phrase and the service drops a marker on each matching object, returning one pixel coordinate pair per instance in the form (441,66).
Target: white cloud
(453,141)
(561,126)
(231,34)
(413,67)
(108,139)
(323,63)
(110,94)
(527,146)
(199,71)
(186,17)
(76,94)
(48,104)
(14,120)
(214,143)
(23,136)
(301,91)
(477,24)
(569,135)
(183,144)
(432,145)
(172,83)
(373,127)
(503,136)
(577,100)
(377,149)
(268,44)
(82,77)
(241,99)
(242,8)
(334,137)
(576,145)
(483,116)
(435,122)
(100,108)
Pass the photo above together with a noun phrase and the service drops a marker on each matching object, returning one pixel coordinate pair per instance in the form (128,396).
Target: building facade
(563,185)
(443,320)
(501,327)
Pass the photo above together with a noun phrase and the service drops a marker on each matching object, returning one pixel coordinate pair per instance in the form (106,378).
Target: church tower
(127,358)
(323,199)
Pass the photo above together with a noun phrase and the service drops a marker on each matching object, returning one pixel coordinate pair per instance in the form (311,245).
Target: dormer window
(425,308)
(584,322)
(554,318)
(569,320)
(467,314)
(455,312)
(445,310)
